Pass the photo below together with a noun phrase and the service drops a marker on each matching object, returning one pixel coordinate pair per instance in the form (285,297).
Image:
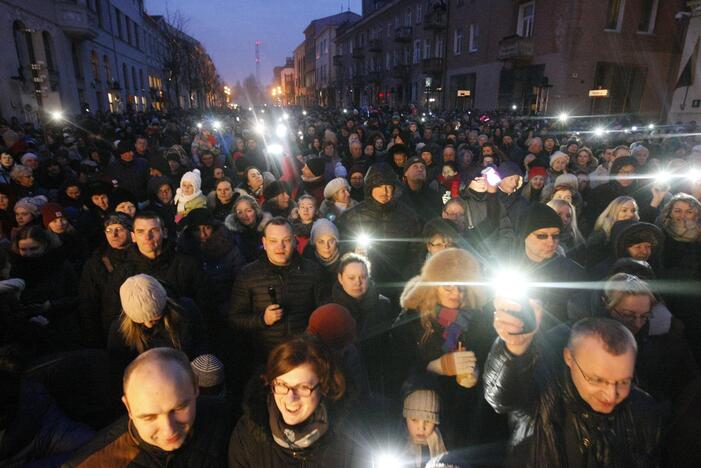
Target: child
(450,178)
(189,195)
(422,415)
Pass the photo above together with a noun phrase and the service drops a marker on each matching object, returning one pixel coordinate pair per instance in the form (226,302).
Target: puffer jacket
(131,175)
(249,239)
(552,424)
(297,289)
(252,444)
(120,445)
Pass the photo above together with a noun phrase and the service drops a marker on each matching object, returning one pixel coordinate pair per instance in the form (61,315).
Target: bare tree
(174,57)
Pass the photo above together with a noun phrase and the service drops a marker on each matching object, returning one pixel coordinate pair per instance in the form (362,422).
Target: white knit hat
(323,227)
(32,204)
(558,155)
(334,186)
(143,298)
(424,405)
(194,178)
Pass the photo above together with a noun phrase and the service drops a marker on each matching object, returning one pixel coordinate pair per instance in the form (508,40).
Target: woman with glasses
(293,415)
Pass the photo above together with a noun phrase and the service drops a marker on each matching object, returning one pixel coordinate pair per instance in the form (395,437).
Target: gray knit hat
(323,227)
(334,186)
(143,298)
(424,405)
(208,369)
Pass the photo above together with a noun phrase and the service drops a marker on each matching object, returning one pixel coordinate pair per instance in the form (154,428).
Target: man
(130,173)
(509,193)
(535,147)
(273,296)
(95,277)
(512,151)
(355,155)
(600,174)
(141,148)
(417,194)
(391,226)
(155,256)
(166,423)
(543,264)
(576,406)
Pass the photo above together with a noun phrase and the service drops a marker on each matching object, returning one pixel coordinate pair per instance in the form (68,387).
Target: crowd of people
(324,288)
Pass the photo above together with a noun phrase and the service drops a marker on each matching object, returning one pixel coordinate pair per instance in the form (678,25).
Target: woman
(253,184)
(444,330)
(293,416)
(558,166)
(248,221)
(450,179)
(536,181)
(189,196)
(355,290)
(151,319)
(681,224)
(337,199)
(27,212)
(123,202)
(585,161)
(23,182)
(221,199)
(571,240)
(323,249)
(72,242)
(598,245)
(303,219)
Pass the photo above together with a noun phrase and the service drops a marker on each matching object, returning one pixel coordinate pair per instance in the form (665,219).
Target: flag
(688,73)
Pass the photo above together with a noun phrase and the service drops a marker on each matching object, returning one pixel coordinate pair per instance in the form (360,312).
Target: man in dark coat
(509,194)
(167,424)
(130,173)
(571,399)
(274,295)
(417,194)
(392,228)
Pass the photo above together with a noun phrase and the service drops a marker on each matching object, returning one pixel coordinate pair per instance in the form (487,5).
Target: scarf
(328,261)
(302,435)
(312,180)
(436,447)
(454,323)
(181,200)
(683,231)
(341,207)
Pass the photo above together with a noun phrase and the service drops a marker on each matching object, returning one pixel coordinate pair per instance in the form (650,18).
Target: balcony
(402,34)
(432,66)
(76,20)
(337,60)
(358,53)
(435,20)
(400,71)
(375,45)
(516,48)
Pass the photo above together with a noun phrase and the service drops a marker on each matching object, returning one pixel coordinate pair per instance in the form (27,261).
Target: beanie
(536,171)
(424,405)
(541,216)
(32,204)
(200,217)
(118,218)
(413,160)
(334,326)
(508,168)
(49,212)
(26,157)
(124,146)
(120,195)
(209,370)
(334,186)
(194,178)
(160,164)
(357,168)
(567,180)
(317,166)
(273,189)
(322,227)
(143,298)
(558,155)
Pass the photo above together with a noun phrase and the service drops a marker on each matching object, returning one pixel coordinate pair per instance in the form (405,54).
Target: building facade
(686,95)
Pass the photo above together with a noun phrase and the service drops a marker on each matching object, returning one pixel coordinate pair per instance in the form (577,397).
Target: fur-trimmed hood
(233,223)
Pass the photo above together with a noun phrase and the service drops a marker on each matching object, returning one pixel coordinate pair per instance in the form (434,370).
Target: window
(439,47)
(94,66)
(133,80)
(648,15)
(417,51)
(127,25)
(98,12)
(457,41)
(388,61)
(137,40)
(125,75)
(419,13)
(614,15)
(118,19)
(407,18)
(427,49)
(106,65)
(474,37)
(526,18)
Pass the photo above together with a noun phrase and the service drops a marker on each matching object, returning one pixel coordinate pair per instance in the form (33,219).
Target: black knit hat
(541,216)
(120,195)
(159,163)
(413,160)
(398,148)
(124,146)
(317,166)
(200,217)
(274,189)
(118,218)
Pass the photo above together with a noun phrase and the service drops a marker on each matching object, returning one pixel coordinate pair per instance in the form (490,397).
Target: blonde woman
(571,240)
(598,244)
(443,330)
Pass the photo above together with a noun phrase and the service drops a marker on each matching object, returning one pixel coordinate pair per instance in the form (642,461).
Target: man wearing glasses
(571,398)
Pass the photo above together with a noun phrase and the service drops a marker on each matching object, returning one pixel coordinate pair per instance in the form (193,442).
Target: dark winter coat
(426,203)
(489,230)
(120,445)
(252,444)
(131,175)
(297,289)
(249,239)
(552,425)
(516,208)
(166,212)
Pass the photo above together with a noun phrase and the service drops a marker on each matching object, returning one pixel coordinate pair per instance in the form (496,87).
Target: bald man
(167,423)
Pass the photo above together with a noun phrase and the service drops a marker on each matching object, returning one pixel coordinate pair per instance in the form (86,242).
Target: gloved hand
(458,362)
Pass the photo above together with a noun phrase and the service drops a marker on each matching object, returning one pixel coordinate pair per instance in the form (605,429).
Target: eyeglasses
(599,382)
(554,237)
(301,390)
(630,317)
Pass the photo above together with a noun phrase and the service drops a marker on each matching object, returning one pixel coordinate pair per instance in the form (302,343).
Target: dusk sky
(229,29)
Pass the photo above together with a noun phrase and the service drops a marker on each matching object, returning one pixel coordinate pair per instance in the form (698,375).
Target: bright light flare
(651,126)
(199,125)
(364,241)
(514,107)
(275,149)
(304,112)
(663,178)
(694,175)
(345,111)
(216,125)
(634,128)
(563,117)
(599,132)
(387,460)
(281,130)
(259,127)
(56,115)
(510,284)
(285,116)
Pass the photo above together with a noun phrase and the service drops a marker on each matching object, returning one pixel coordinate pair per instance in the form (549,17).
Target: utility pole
(258,61)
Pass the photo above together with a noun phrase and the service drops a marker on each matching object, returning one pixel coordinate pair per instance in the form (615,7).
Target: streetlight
(651,126)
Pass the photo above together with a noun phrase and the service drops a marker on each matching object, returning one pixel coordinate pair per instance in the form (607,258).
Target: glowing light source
(651,126)
(216,125)
(510,284)
(275,149)
(694,175)
(281,130)
(345,111)
(259,128)
(387,460)
(599,132)
(304,112)
(285,116)
(364,241)
(563,117)
(199,125)
(56,115)
(514,107)
(634,128)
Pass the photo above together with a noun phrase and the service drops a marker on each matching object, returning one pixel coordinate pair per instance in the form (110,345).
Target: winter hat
(424,405)
(630,232)
(209,370)
(558,155)
(194,178)
(49,212)
(334,186)
(317,166)
(120,195)
(155,184)
(541,216)
(567,180)
(355,168)
(334,325)
(124,146)
(143,298)
(99,188)
(413,160)
(200,217)
(160,164)
(118,218)
(509,168)
(322,227)
(535,171)
(26,157)
(379,174)
(398,148)
(274,189)
(32,204)
(621,162)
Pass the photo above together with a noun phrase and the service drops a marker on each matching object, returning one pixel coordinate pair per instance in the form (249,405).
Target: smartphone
(526,315)
(273,295)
